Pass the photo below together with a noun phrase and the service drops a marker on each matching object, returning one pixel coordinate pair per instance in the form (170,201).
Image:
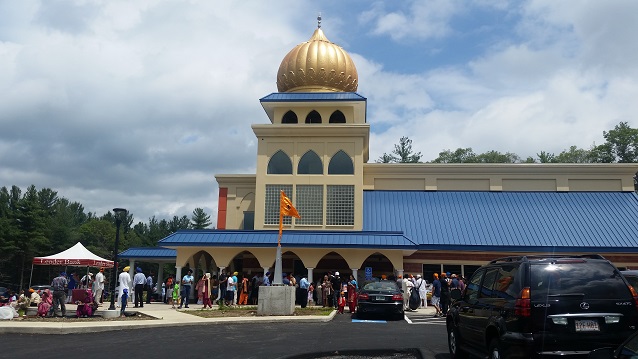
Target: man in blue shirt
(187,282)
(266,281)
(303,291)
(436,295)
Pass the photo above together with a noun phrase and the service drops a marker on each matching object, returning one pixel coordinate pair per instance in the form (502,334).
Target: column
(400,272)
(354,274)
(219,289)
(178,274)
(160,280)
(310,276)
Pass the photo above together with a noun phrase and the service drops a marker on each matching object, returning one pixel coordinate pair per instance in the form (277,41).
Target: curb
(80,328)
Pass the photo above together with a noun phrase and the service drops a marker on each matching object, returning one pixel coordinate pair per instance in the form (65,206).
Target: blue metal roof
(497,221)
(290,238)
(155,252)
(312,96)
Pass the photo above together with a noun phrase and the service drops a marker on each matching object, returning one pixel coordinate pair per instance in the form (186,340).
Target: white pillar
(400,272)
(178,275)
(354,274)
(310,279)
(131,272)
(160,280)
(219,289)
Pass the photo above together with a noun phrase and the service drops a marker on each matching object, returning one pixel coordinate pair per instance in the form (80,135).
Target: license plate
(379,298)
(587,325)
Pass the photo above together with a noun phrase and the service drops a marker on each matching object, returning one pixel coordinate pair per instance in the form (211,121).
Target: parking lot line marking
(368,321)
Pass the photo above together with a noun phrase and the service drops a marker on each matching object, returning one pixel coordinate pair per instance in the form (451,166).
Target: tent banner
(72,262)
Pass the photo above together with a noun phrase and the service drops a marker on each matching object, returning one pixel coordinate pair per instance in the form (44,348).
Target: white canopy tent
(76,256)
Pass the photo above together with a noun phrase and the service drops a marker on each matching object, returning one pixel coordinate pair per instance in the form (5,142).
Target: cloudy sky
(138,104)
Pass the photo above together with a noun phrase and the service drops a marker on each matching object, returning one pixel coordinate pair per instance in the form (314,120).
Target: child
(124,299)
(175,296)
(342,302)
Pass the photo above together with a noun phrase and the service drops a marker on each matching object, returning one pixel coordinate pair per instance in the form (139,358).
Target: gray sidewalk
(166,317)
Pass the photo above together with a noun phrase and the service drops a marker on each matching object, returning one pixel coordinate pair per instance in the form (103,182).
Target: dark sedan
(384,297)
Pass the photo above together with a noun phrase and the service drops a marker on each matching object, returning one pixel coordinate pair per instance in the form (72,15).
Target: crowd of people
(441,289)
(227,289)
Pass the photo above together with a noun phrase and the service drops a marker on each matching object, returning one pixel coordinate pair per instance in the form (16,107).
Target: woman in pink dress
(206,292)
(45,303)
(85,306)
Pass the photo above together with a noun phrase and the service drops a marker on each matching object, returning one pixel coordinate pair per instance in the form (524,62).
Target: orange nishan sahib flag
(286,208)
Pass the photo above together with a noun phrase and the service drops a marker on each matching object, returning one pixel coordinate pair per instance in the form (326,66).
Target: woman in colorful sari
(326,291)
(243,292)
(85,306)
(45,303)
(352,293)
(206,292)
(200,290)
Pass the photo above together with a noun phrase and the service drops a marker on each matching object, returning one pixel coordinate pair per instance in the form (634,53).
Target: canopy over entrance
(77,255)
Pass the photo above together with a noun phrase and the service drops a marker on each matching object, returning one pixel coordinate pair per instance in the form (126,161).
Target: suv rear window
(594,279)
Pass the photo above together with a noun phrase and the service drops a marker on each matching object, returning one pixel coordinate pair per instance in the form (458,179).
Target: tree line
(37,223)
(621,146)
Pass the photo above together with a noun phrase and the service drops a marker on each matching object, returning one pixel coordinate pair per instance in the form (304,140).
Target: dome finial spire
(319,21)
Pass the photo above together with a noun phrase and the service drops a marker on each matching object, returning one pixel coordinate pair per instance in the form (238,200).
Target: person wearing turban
(124,281)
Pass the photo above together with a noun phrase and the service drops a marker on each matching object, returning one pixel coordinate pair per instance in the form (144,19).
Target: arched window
(280,164)
(289,117)
(313,117)
(341,164)
(310,164)
(337,117)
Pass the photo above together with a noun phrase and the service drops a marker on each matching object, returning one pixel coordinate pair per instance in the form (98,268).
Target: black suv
(524,307)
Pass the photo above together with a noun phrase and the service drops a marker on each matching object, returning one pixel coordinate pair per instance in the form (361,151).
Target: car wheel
(495,349)
(453,344)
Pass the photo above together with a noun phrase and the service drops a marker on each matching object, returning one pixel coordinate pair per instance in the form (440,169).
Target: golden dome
(317,65)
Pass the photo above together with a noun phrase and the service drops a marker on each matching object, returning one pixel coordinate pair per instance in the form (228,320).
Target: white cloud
(138,104)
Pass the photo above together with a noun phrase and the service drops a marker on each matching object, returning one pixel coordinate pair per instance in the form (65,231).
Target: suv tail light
(364,296)
(397,297)
(523,305)
(634,295)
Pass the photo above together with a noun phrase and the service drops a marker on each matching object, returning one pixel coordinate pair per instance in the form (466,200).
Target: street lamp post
(118,221)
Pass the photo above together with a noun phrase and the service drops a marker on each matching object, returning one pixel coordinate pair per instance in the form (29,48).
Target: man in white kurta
(422,286)
(125,282)
(98,284)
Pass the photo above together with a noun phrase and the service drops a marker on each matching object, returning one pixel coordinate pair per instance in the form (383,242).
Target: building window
(337,117)
(340,164)
(289,117)
(271,213)
(313,117)
(340,205)
(310,164)
(280,164)
(249,220)
(309,204)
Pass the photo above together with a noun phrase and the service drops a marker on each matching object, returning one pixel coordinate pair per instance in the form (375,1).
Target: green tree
(402,153)
(497,157)
(621,145)
(460,155)
(199,219)
(575,155)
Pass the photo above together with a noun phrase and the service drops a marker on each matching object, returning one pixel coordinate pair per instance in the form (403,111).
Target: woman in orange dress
(243,291)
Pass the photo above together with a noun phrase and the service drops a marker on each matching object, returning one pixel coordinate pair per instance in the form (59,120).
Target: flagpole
(277,280)
(285,209)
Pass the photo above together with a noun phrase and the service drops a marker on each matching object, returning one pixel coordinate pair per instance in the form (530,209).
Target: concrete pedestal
(276,300)
(110,313)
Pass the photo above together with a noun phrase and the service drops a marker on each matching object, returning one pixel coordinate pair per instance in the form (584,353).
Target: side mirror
(602,353)
(455,294)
